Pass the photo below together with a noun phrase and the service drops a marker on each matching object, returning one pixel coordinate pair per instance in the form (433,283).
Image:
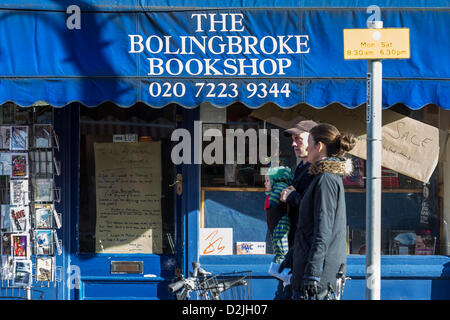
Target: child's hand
(285,193)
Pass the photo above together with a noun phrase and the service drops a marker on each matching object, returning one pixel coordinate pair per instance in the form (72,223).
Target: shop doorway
(128,223)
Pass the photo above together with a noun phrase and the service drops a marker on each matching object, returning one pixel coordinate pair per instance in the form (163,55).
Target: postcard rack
(28,194)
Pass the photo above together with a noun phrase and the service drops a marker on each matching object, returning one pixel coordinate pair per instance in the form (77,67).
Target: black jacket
(320,239)
(302,179)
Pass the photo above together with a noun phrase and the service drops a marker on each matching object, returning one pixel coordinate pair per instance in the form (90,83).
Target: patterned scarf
(280,178)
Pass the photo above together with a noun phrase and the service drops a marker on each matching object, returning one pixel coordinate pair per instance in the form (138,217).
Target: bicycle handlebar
(176,286)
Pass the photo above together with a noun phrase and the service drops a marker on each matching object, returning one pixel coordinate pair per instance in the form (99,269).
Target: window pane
(233,193)
(126,204)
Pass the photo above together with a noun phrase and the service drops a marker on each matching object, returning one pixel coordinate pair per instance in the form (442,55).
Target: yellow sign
(389,43)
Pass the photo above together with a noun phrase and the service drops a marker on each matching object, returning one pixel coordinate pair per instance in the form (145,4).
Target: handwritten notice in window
(216,241)
(128,192)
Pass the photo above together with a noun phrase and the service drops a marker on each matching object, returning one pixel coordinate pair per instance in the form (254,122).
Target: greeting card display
(22,273)
(42,136)
(20,245)
(19,219)
(19,138)
(19,165)
(5,137)
(28,217)
(45,269)
(43,216)
(19,192)
(44,242)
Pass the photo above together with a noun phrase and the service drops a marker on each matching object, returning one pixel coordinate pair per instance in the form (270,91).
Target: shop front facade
(147,108)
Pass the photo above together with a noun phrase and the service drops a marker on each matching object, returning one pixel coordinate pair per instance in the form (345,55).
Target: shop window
(126,203)
(232,196)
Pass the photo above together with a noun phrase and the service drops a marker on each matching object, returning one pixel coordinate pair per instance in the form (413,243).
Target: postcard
(22,273)
(19,192)
(19,138)
(43,190)
(5,164)
(20,245)
(19,219)
(6,243)
(19,165)
(45,269)
(5,137)
(5,214)
(43,216)
(6,271)
(43,242)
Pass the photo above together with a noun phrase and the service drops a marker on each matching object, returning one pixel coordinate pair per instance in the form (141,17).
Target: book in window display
(42,136)
(356,179)
(19,192)
(19,219)
(19,165)
(43,216)
(43,242)
(45,269)
(22,271)
(20,246)
(43,190)
(19,138)
(5,137)
(389,178)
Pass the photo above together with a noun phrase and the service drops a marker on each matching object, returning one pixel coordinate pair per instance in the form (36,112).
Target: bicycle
(224,286)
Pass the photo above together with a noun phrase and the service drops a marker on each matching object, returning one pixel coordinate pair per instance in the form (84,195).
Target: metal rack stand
(41,165)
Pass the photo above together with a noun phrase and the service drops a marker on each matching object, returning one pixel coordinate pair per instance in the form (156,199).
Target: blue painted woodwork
(402,277)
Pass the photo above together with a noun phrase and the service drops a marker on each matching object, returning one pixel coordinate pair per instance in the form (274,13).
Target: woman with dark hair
(320,240)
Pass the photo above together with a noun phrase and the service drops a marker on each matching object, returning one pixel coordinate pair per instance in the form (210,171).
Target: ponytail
(337,143)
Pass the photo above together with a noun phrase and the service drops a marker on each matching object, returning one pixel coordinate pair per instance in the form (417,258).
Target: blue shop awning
(187,52)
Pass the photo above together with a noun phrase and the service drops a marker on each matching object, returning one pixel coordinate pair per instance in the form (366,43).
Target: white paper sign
(250,247)
(216,241)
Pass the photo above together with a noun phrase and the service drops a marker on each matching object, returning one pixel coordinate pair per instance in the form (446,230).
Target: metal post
(373,190)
